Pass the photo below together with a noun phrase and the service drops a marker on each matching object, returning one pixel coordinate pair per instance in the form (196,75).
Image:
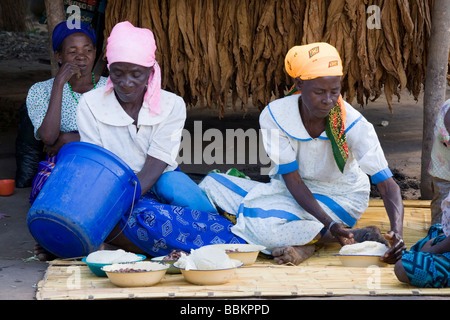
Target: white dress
(440,153)
(103,122)
(268,215)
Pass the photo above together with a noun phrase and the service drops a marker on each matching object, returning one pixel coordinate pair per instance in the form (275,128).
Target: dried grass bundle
(211,50)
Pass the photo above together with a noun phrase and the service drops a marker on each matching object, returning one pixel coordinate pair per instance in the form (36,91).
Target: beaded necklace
(73,93)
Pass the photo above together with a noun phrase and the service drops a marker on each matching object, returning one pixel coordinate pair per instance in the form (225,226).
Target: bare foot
(371,233)
(294,254)
(42,254)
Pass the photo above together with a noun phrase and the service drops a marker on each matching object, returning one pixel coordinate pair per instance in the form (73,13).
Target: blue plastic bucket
(86,195)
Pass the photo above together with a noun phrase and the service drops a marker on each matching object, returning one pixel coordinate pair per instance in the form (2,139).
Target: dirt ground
(400,136)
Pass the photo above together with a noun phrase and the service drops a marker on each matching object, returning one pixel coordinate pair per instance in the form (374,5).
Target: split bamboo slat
(320,276)
(231,53)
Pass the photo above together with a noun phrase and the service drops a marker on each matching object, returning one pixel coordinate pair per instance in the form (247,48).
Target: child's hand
(397,247)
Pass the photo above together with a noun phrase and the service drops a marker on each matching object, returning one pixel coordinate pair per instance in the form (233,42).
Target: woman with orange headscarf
(324,150)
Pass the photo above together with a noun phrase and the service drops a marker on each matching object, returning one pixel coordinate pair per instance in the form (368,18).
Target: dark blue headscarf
(62,31)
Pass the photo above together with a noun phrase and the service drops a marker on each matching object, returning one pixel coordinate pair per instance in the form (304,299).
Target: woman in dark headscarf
(52,104)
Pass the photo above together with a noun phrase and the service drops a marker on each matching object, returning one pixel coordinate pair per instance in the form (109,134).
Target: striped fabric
(427,270)
(159,228)
(45,168)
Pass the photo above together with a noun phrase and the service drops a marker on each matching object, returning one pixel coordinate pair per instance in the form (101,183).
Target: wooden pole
(435,86)
(55,14)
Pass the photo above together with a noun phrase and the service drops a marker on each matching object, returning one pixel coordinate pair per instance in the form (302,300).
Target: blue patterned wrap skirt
(427,270)
(176,215)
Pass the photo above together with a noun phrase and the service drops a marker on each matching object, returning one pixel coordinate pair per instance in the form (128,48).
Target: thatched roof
(13,15)
(211,50)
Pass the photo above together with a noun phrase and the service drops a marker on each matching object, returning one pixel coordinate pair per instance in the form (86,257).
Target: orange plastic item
(6,187)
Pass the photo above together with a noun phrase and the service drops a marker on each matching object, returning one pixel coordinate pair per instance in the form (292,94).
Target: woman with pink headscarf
(142,124)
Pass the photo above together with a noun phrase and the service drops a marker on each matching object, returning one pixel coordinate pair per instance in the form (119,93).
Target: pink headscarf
(128,43)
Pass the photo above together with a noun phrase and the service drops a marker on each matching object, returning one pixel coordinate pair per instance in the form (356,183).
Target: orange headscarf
(313,61)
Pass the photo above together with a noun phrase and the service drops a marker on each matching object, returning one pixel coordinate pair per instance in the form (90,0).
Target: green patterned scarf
(335,130)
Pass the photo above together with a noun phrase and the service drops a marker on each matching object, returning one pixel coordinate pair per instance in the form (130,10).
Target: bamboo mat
(320,276)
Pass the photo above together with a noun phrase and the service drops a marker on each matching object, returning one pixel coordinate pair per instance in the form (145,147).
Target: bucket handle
(135,182)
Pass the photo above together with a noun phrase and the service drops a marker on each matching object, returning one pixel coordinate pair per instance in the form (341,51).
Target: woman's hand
(438,248)
(344,236)
(428,247)
(150,173)
(66,72)
(397,246)
(63,138)
(51,125)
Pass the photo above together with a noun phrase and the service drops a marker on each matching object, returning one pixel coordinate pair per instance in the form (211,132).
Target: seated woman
(427,264)
(323,150)
(52,104)
(142,124)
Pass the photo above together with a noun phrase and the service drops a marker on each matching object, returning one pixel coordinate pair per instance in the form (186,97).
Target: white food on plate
(206,258)
(112,256)
(369,248)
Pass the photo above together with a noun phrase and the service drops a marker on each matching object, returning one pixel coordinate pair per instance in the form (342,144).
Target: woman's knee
(400,272)
(178,189)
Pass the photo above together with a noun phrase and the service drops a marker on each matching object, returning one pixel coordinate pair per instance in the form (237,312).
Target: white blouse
(292,148)
(103,122)
(267,213)
(38,99)
(440,153)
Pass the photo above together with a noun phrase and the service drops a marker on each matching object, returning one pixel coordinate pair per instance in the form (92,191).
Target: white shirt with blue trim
(290,146)
(267,213)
